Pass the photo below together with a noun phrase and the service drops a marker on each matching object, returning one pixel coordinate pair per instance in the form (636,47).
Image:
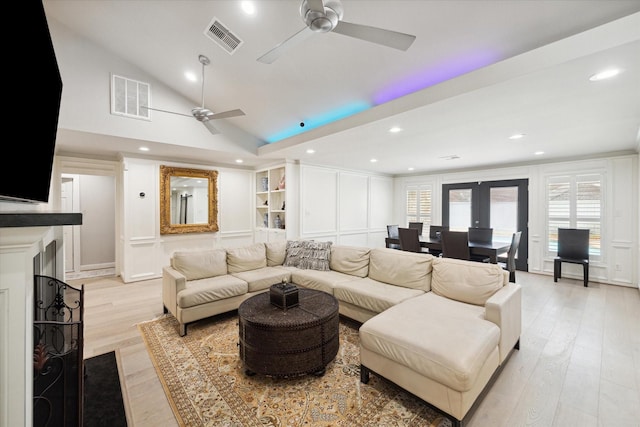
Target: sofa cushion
(401,268)
(200,264)
(351,260)
(453,353)
(247,258)
(308,254)
(211,289)
(262,278)
(276,253)
(319,280)
(372,295)
(466,281)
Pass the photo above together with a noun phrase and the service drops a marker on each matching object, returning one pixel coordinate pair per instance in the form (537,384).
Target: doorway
(501,205)
(90,248)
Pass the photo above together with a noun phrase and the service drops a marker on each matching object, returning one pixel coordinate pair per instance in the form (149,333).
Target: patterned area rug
(205,382)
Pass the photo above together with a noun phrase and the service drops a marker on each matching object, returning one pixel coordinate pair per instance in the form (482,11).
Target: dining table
(491,249)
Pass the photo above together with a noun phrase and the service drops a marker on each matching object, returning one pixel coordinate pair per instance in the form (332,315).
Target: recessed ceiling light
(191,76)
(143,148)
(239,160)
(373,160)
(539,153)
(311,151)
(395,129)
(606,74)
(517,136)
(248,7)
(410,169)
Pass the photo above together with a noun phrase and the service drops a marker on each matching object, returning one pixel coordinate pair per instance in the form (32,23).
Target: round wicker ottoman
(299,340)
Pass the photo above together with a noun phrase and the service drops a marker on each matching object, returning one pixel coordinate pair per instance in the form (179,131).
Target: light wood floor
(578,364)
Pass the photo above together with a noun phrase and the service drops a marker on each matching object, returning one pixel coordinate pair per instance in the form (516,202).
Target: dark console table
(299,340)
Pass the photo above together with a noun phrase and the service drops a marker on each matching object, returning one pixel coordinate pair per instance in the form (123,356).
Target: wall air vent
(130,97)
(224,38)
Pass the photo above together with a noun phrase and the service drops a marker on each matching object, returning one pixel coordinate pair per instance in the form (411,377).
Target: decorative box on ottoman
(283,295)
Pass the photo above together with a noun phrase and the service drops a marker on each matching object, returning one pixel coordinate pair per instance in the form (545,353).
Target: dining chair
(510,263)
(435,230)
(480,235)
(410,240)
(417,225)
(392,233)
(434,233)
(573,247)
(455,244)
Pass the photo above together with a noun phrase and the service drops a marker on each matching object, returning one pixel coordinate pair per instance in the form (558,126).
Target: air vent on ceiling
(224,38)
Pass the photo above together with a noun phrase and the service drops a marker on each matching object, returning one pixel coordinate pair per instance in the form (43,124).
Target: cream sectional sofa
(440,328)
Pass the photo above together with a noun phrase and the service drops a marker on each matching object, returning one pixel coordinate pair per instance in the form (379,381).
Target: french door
(501,205)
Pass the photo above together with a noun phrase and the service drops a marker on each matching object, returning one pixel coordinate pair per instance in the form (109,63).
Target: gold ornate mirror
(188,200)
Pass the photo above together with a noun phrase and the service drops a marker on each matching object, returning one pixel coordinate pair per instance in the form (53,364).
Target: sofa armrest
(172,282)
(504,308)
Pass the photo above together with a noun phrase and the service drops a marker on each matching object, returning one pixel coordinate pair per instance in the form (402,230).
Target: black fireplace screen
(58,353)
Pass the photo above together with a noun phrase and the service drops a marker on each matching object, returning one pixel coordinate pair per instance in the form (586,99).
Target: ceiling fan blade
(226,114)
(275,53)
(380,36)
(209,125)
(165,111)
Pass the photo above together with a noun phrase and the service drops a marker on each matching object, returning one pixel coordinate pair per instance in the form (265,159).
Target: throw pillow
(307,254)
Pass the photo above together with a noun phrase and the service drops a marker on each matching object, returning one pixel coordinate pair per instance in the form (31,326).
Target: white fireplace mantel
(20,245)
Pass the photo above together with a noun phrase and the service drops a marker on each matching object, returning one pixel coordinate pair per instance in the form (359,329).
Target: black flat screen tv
(25,174)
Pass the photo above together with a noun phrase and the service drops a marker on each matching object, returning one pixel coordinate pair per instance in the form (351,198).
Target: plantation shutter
(419,204)
(575,202)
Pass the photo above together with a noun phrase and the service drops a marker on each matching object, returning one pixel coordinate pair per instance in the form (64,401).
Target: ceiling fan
(326,16)
(201,113)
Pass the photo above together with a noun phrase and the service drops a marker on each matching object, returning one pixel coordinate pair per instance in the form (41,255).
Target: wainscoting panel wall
(381,203)
(234,200)
(354,198)
(319,208)
(355,239)
(345,207)
(146,251)
(623,254)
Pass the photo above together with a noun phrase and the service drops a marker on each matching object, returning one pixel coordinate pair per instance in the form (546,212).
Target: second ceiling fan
(201,113)
(326,16)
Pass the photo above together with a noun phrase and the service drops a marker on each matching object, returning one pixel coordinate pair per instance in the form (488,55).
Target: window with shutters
(418,205)
(575,202)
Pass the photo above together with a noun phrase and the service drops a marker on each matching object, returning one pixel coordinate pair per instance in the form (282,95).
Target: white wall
(620,264)
(86,71)
(97,197)
(345,207)
(145,250)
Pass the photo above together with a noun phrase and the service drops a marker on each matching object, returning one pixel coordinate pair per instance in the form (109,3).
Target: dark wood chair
(573,247)
(410,240)
(510,264)
(417,225)
(434,233)
(392,233)
(480,235)
(455,244)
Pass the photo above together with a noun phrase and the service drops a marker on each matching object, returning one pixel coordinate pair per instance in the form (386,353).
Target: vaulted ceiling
(477,73)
